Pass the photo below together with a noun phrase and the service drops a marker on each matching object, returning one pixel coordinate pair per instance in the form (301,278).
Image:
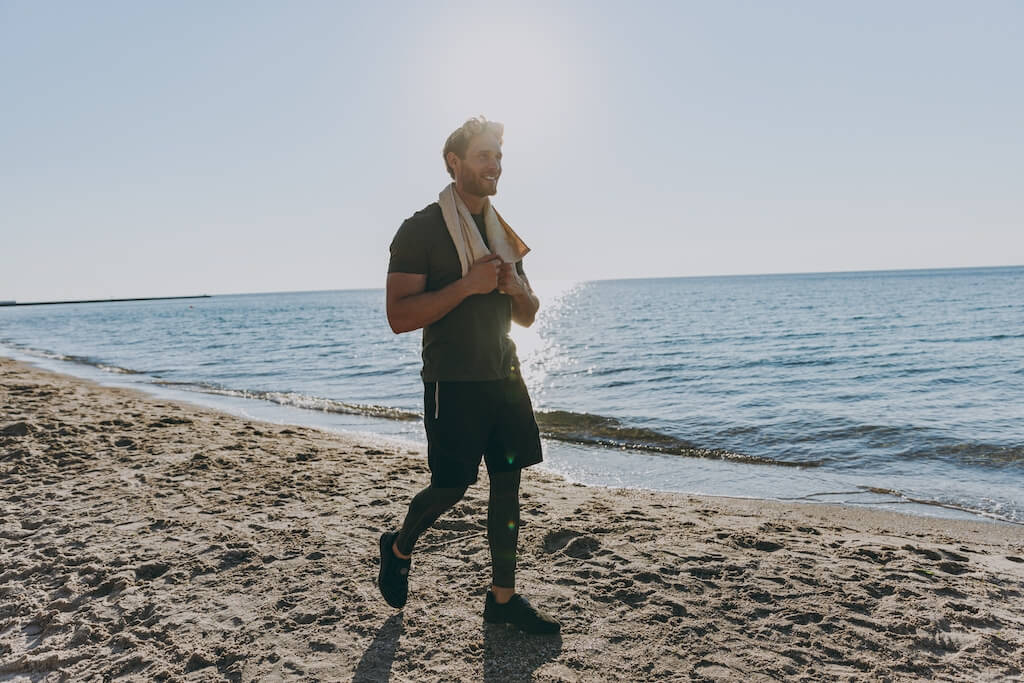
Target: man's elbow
(525,315)
(397,325)
(525,320)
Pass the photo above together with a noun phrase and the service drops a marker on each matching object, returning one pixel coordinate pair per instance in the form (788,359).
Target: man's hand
(509,281)
(482,277)
(524,301)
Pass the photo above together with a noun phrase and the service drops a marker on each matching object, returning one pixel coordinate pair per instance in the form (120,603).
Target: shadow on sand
(377,660)
(510,655)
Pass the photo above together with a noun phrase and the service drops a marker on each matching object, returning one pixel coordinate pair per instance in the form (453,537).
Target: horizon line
(877,271)
(670,277)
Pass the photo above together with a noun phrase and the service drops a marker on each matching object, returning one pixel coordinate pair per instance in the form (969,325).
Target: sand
(149,540)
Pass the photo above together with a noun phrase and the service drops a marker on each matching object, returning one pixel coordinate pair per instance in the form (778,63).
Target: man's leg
(503,605)
(514,444)
(396,546)
(503,532)
(424,510)
(457,418)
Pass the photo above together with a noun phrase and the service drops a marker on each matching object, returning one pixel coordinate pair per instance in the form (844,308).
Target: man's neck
(473,203)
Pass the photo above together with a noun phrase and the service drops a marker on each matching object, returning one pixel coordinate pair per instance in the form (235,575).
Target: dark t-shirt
(471,342)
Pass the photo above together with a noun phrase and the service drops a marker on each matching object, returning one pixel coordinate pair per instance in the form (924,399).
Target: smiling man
(456,272)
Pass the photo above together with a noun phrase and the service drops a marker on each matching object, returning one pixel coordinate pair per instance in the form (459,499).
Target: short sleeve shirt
(470,343)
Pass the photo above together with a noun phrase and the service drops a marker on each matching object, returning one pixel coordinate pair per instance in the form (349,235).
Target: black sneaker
(519,612)
(393,579)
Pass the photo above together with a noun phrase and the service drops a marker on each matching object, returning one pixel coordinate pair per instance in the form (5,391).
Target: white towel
(464,233)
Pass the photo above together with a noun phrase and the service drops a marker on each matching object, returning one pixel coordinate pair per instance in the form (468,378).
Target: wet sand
(152,540)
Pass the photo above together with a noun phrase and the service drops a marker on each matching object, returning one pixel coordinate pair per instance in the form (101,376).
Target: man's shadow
(510,655)
(377,660)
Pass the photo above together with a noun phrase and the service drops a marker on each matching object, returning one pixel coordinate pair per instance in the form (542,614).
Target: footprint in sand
(949,555)
(923,552)
(456,525)
(15,429)
(558,539)
(151,570)
(234,557)
(582,548)
(762,544)
(572,543)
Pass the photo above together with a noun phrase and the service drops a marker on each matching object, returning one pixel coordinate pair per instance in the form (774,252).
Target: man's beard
(475,185)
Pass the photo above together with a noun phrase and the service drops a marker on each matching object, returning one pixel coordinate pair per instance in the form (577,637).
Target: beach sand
(151,540)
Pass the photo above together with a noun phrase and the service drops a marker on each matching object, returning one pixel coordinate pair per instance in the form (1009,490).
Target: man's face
(478,173)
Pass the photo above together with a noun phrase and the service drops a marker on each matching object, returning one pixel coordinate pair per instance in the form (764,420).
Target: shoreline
(569,460)
(165,541)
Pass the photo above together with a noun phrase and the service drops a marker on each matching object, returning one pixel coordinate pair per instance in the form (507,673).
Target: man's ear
(452,160)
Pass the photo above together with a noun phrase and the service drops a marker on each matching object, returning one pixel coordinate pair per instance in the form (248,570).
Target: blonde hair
(459,140)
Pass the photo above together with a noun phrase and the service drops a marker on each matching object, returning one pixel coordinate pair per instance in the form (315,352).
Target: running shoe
(393,578)
(520,613)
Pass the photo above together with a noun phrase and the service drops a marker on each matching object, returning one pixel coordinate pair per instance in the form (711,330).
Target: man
(456,272)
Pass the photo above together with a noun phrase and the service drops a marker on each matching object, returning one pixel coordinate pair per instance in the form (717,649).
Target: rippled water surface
(907,385)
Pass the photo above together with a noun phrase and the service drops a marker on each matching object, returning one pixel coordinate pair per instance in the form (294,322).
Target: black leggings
(502,521)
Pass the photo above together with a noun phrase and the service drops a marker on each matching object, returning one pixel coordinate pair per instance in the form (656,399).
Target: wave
(1011,517)
(909,442)
(981,338)
(297,400)
(559,425)
(981,454)
(81,360)
(599,430)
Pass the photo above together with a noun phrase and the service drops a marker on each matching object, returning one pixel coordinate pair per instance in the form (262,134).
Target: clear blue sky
(154,149)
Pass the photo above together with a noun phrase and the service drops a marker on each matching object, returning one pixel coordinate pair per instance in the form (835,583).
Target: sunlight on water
(537,345)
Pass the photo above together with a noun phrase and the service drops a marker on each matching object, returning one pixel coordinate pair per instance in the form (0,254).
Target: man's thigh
(514,441)
(458,418)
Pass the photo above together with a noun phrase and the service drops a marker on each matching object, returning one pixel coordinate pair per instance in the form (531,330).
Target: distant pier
(101,301)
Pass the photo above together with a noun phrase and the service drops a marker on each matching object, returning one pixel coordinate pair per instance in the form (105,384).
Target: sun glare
(536,352)
(512,72)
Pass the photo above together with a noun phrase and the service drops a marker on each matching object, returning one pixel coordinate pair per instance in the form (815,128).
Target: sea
(899,390)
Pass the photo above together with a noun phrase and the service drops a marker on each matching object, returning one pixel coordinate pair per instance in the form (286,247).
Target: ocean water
(901,389)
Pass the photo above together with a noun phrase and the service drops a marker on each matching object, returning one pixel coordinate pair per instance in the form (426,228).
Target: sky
(180,148)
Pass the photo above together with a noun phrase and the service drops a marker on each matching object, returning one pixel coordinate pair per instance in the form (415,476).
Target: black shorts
(467,420)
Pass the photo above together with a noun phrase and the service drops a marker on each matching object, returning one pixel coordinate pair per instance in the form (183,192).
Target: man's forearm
(419,310)
(524,308)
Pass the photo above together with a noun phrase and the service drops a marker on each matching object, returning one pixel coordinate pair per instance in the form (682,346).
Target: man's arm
(524,302)
(410,307)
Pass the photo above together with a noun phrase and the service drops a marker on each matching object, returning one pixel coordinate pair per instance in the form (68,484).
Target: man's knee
(450,496)
(505,484)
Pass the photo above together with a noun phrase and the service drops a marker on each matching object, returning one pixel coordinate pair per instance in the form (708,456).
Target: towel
(464,233)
